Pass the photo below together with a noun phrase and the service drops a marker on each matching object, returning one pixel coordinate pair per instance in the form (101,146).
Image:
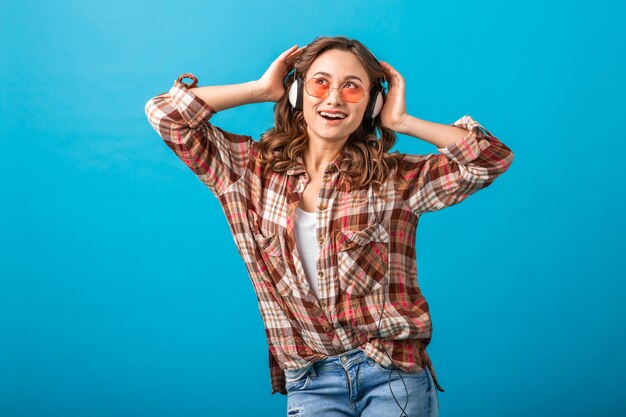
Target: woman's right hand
(271,83)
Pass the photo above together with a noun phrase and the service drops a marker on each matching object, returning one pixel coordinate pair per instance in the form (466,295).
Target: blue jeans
(353,385)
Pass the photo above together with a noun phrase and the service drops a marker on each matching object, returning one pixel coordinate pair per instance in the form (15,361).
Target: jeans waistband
(342,360)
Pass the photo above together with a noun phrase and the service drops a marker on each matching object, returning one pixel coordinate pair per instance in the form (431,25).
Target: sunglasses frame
(335,88)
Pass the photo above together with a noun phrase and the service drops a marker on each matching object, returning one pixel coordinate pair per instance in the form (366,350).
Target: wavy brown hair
(369,160)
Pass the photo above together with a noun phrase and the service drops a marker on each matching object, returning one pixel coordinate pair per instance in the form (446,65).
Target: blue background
(121,289)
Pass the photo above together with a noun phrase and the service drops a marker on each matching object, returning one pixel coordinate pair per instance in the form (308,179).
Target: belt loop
(313,373)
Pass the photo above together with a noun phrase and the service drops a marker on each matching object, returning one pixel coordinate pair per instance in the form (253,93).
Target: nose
(333,96)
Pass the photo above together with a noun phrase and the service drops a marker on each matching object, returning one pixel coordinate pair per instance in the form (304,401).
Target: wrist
(405,125)
(259,93)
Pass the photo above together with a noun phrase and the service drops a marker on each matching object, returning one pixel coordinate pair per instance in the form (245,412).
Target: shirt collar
(339,163)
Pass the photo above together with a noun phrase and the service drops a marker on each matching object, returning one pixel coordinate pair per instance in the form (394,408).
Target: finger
(286,53)
(292,60)
(389,75)
(388,68)
(295,53)
(394,75)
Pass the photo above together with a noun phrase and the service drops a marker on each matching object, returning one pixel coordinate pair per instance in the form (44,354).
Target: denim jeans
(353,385)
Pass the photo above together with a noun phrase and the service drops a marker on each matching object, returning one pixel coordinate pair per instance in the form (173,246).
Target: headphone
(375,104)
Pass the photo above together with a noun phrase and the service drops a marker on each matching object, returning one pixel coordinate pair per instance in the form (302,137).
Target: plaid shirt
(367,263)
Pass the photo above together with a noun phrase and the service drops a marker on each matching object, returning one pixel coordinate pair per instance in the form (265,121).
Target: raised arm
(470,157)
(436,181)
(218,158)
(222,97)
(181,117)
(268,88)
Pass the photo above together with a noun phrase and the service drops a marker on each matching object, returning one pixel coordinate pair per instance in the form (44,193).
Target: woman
(325,218)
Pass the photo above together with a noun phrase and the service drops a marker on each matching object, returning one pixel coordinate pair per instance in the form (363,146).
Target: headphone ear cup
(295,94)
(378,105)
(369,111)
(375,104)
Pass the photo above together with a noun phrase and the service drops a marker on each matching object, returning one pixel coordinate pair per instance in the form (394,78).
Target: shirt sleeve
(436,181)
(218,158)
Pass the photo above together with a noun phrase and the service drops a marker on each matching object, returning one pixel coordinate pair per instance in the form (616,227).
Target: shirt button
(320,240)
(327,328)
(322,207)
(320,273)
(322,303)
(326,178)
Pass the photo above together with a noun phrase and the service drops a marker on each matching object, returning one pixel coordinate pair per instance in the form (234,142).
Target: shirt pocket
(270,262)
(362,259)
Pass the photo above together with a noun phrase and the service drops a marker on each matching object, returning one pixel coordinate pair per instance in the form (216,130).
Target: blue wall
(117,267)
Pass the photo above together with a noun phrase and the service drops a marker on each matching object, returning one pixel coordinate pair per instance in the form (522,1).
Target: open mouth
(333,118)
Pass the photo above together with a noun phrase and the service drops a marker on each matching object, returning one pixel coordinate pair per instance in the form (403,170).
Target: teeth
(333,115)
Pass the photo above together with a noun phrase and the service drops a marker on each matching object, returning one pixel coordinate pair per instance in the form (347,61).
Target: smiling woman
(346,83)
(325,219)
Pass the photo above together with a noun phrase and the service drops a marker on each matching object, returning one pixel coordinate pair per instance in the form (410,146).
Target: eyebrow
(328,75)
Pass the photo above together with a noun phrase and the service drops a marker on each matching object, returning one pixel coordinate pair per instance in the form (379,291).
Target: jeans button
(344,359)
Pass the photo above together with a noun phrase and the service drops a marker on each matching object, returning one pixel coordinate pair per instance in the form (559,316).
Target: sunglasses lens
(351,93)
(319,87)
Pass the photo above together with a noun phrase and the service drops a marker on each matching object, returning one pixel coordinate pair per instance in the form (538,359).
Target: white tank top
(306,241)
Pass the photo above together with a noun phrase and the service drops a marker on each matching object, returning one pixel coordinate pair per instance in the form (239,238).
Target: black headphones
(374,105)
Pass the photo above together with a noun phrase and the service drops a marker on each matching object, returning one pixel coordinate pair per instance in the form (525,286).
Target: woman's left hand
(393,115)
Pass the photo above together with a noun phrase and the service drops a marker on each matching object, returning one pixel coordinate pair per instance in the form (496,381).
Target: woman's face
(339,67)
